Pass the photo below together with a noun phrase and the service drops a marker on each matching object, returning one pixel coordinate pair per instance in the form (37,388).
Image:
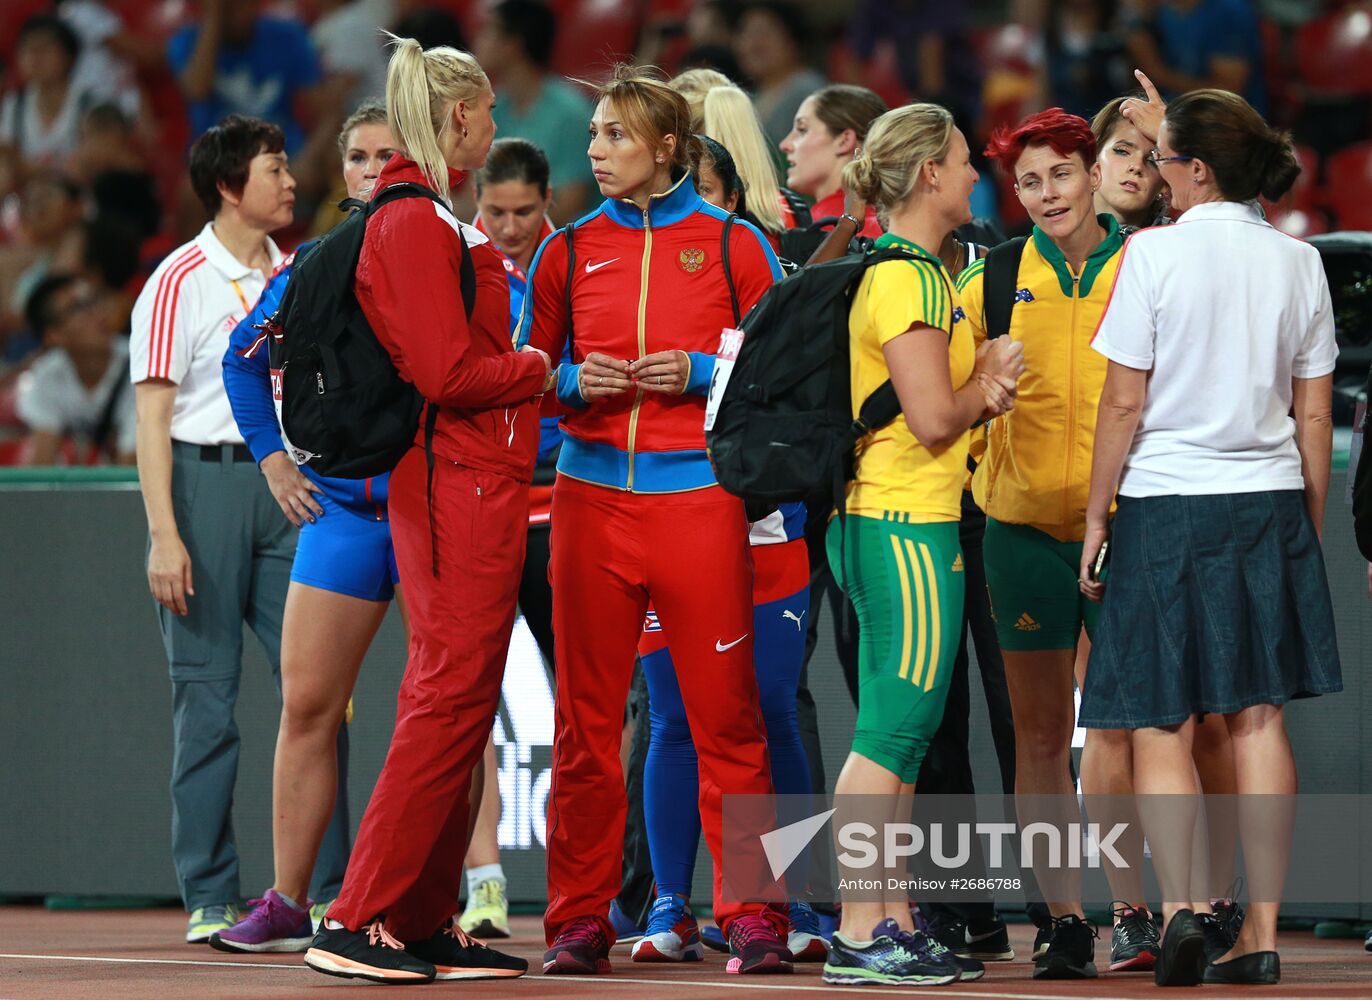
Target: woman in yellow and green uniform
(1034,478)
(898,546)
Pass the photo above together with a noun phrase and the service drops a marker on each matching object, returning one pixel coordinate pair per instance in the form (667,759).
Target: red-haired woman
(639,515)
(1034,478)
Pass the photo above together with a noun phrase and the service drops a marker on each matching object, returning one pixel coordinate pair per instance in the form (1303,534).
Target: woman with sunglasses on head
(639,515)
(1215,429)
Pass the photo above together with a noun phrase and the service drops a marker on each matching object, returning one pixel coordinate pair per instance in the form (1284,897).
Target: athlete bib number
(298,455)
(729,344)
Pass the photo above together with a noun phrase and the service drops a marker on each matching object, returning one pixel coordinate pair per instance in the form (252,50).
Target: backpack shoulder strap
(998,284)
(883,405)
(408,189)
(728,269)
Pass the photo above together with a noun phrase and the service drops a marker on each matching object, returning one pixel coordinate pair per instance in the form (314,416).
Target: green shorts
(906,584)
(1036,598)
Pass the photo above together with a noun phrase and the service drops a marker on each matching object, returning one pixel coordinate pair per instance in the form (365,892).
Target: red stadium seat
(12,451)
(1348,186)
(592,35)
(1334,52)
(13,13)
(1297,223)
(880,73)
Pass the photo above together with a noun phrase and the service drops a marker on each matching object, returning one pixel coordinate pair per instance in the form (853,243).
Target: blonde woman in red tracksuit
(637,514)
(393,920)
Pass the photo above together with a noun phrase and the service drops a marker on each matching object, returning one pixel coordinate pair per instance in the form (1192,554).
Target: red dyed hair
(1064,133)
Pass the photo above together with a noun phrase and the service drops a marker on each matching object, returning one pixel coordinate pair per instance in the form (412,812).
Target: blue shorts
(346,553)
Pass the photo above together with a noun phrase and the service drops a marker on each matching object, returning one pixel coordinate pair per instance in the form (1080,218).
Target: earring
(464,131)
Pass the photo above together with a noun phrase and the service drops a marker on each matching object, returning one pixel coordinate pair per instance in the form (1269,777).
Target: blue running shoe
(672,934)
(626,931)
(886,960)
(805,941)
(713,938)
(967,970)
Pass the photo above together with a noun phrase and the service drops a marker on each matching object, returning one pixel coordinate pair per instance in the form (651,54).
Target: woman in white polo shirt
(1215,426)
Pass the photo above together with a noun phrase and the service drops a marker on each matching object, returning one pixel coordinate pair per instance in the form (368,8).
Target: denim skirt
(1212,604)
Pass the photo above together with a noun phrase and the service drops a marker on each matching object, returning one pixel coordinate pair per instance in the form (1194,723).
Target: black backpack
(784,429)
(798,245)
(343,403)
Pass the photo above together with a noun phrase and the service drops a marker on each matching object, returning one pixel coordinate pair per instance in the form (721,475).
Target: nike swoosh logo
(721,647)
(592,268)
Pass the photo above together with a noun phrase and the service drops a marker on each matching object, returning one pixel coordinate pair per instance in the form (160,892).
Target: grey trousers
(241,547)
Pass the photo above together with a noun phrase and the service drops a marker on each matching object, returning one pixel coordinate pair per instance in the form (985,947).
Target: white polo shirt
(53,398)
(1224,311)
(180,331)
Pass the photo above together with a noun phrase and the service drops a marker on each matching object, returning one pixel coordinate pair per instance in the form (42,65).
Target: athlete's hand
(665,371)
(1146,115)
(999,393)
(1096,533)
(292,490)
(169,574)
(602,376)
(1000,356)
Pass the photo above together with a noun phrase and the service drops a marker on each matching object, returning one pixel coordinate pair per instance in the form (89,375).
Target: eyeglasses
(1155,158)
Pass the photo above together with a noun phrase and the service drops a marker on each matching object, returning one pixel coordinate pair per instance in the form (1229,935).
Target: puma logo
(794,617)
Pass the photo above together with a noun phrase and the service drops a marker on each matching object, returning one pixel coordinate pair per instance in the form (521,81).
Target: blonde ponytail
(897,146)
(422,87)
(729,118)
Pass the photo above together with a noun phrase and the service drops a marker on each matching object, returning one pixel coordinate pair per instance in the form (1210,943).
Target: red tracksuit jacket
(484,389)
(644,282)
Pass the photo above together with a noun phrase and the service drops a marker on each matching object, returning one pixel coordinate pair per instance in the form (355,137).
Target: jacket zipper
(642,343)
(1071,403)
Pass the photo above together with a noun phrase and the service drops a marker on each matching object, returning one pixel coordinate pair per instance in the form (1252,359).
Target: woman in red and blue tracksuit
(638,516)
(781,601)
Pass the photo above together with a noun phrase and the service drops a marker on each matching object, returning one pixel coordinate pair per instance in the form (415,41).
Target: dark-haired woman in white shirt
(1215,427)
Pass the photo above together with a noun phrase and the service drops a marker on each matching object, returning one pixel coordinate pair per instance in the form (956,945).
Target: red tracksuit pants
(613,553)
(407,862)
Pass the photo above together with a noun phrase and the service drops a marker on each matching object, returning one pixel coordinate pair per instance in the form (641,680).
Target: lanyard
(241,298)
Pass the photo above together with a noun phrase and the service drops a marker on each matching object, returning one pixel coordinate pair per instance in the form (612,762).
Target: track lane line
(616,979)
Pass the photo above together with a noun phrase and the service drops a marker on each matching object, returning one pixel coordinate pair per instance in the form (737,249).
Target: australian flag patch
(1024,295)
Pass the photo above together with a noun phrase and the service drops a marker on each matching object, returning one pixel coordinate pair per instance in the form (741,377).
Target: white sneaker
(672,934)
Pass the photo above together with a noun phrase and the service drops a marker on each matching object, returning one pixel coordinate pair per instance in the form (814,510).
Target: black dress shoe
(1257,968)
(1181,960)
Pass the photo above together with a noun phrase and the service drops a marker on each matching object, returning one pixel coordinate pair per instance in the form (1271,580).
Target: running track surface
(136,954)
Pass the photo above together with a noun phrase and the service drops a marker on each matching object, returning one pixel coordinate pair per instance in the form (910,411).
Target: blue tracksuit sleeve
(702,371)
(248,377)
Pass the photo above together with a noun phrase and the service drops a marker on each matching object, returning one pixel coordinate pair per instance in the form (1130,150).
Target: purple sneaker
(272,924)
